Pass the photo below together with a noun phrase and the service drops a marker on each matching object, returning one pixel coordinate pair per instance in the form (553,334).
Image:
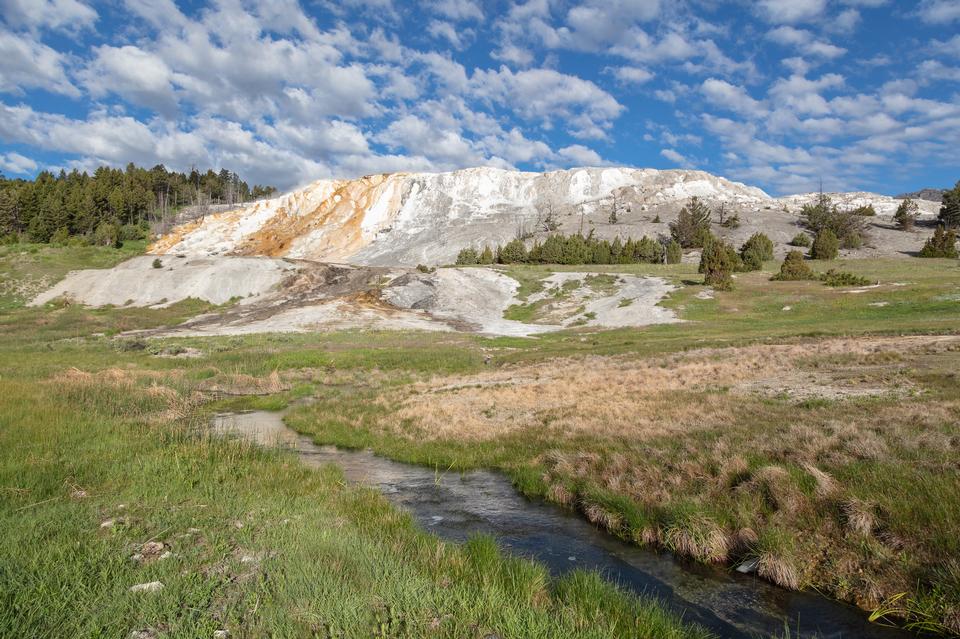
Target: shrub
(850,229)
(60,236)
(794,268)
(842,278)
(942,244)
(106,234)
(691,224)
(717,265)
(486,256)
(732,222)
(423,268)
(467,256)
(906,215)
(865,211)
(656,219)
(825,246)
(513,252)
(801,240)
(736,264)
(157,263)
(648,251)
(674,252)
(755,251)
(853,241)
(133,232)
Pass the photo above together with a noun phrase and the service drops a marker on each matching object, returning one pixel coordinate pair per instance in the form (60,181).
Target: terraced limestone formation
(426,218)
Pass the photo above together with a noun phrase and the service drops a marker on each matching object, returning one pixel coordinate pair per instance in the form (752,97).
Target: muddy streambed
(455,506)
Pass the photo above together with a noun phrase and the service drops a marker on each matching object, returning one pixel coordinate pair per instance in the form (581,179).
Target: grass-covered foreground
(107,482)
(812,429)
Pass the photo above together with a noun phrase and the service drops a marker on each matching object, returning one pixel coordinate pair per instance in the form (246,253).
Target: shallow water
(455,506)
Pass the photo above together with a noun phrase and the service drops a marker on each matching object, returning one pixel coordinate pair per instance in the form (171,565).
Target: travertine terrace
(413,218)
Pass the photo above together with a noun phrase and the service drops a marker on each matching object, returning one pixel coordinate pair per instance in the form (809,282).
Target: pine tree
(692,224)
(467,256)
(849,229)
(755,251)
(486,256)
(942,244)
(674,252)
(9,213)
(794,268)
(825,245)
(717,265)
(906,215)
(514,252)
(950,208)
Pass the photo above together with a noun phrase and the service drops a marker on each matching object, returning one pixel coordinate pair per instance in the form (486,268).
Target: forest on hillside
(111,205)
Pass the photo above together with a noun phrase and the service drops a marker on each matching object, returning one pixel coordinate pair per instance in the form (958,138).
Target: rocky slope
(411,218)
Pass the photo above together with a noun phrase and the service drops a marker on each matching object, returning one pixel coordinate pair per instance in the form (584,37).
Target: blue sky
(864,94)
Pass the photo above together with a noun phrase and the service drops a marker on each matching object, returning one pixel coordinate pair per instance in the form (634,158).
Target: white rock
(749,566)
(151,586)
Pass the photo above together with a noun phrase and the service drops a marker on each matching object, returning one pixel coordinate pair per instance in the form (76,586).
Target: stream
(456,506)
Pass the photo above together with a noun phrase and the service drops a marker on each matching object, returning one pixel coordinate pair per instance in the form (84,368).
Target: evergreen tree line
(576,249)
(112,204)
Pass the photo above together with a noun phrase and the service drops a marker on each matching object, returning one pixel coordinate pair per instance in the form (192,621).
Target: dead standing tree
(546,215)
(618,206)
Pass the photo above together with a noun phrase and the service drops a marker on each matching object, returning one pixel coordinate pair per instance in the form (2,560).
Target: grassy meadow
(815,430)
(107,481)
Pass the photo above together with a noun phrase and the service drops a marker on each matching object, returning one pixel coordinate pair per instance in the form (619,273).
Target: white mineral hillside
(412,218)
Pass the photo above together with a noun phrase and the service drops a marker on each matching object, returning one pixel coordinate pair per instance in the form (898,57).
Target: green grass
(335,558)
(28,269)
(95,430)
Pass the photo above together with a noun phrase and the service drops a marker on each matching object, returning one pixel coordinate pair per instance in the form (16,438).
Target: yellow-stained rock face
(322,221)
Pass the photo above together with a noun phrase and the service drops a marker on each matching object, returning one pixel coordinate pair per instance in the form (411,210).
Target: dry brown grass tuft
(647,536)
(559,494)
(860,516)
(123,391)
(603,517)
(242,384)
(778,570)
(698,537)
(624,397)
(826,485)
(777,488)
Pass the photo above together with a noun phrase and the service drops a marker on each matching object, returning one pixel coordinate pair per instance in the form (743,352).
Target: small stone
(165,555)
(109,523)
(150,586)
(749,566)
(787,308)
(221,634)
(151,551)
(148,633)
